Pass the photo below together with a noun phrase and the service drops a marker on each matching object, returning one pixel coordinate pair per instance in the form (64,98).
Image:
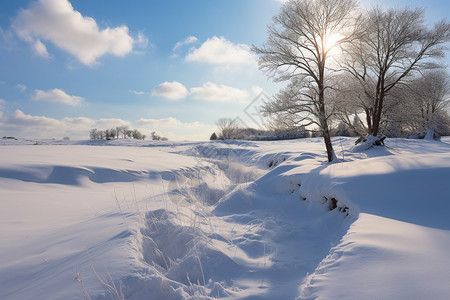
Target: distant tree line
(229,129)
(402,123)
(122,132)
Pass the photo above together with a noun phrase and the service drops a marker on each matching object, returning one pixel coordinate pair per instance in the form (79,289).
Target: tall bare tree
(396,45)
(299,44)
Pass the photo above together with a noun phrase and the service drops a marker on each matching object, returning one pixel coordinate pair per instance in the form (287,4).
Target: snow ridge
(224,220)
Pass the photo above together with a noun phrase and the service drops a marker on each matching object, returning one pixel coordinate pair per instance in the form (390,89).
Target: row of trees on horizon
(122,132)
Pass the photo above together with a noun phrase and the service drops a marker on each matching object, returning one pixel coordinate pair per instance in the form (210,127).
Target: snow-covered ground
(255,220)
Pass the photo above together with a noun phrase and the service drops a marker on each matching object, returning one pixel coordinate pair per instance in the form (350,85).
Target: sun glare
(331,40)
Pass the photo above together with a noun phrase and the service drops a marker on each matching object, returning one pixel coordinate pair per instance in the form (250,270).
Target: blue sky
(174,67)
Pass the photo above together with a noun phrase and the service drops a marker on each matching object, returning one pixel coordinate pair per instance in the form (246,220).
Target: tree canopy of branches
(298,47)
(423,104)
(396,45)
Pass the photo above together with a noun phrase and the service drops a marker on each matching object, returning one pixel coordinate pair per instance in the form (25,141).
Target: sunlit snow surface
(229,220)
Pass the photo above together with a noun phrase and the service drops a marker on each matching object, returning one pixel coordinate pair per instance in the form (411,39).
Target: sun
(330,40)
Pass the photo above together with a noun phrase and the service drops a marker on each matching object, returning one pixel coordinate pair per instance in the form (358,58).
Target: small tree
(137,135)
(213,137)
(93,134)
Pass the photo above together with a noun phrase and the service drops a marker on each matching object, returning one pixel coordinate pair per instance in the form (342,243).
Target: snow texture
(128,219)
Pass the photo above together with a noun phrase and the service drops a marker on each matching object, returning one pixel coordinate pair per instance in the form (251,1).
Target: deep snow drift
(258,220)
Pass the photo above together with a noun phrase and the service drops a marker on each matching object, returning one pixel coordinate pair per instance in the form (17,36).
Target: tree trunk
(324,123)
(377,117)
(369,113)
(328,145)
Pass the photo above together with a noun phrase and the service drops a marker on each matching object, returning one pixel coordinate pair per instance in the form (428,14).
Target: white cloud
(20,118)
(209,91)
(57,96)
(43,127)
(58,22)
(218,50)
(256,89)
(21,124)
(109,123)
(174,129)
(158,123)
(40,49)
(187,41)
(170,90)
(220,93)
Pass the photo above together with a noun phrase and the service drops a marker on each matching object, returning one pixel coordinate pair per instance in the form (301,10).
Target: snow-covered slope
(257,220)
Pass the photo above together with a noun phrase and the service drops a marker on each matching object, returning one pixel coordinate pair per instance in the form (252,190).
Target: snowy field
(242,220)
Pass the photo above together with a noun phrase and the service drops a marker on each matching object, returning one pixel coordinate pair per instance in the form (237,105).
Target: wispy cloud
(21,87)
(187,41)
(2,102)
(57,21)
(218,50)
(57,96)
(137,92)
(142,40)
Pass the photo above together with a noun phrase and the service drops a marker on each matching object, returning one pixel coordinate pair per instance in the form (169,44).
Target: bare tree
(424,103)
(94,134)
(295,107)
(300,42)
(227,128)
(396,45)
(122,130)
(137,135)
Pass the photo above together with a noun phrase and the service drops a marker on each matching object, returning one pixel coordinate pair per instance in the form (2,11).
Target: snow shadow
(69,175)
(412,196)
(280,237)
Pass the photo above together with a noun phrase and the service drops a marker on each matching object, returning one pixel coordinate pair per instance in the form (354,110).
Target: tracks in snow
(228,234)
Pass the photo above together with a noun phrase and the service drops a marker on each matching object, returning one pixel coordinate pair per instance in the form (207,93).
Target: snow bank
(382,258)
(233,220)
